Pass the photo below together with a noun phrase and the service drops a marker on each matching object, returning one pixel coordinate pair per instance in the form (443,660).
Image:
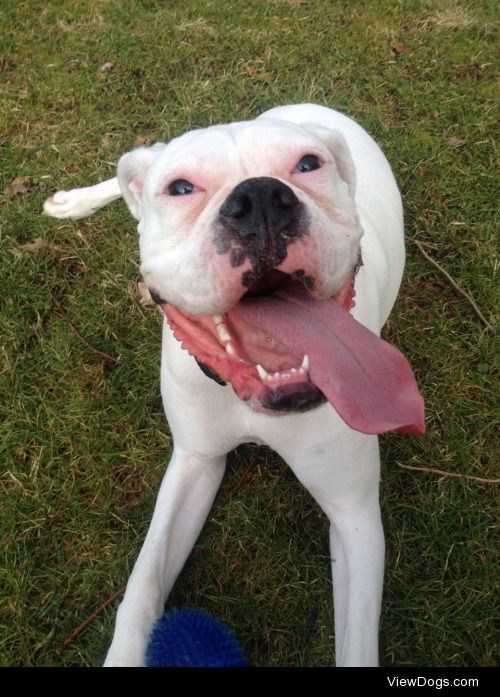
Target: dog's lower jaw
(296,397)
(286,399)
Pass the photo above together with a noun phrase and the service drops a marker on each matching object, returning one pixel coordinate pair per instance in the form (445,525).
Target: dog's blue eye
(180,187)
(308,163)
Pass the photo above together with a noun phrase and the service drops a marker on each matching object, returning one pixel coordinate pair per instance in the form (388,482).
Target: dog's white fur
(339,466)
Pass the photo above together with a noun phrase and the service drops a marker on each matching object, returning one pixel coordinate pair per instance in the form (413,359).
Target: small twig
(452,281)
(429,245)
(89,620)
(448,474)
(102,354)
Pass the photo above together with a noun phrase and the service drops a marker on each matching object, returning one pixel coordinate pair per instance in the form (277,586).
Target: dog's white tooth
(263,374)
(293,371)
(224,335)
(229,347)
(217,319)
(305,363)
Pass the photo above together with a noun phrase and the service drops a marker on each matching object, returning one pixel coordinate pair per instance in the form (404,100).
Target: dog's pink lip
(252,360)
(368,381)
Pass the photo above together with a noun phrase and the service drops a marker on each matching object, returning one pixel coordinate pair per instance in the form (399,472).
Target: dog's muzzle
(257,222)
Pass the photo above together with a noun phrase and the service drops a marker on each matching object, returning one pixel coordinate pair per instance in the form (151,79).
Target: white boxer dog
(275,249)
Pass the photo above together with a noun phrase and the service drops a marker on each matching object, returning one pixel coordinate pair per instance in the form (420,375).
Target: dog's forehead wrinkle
(264,147)
(239,150)
(195,150)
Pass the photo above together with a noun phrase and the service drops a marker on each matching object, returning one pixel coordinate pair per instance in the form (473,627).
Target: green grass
(84,446)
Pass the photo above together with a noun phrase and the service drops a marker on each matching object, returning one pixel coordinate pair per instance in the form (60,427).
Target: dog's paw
(68,204)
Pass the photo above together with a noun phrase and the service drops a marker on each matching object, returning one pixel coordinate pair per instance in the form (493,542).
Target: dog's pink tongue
(368,381)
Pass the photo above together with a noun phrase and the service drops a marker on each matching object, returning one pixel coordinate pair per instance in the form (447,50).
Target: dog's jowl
(251,236)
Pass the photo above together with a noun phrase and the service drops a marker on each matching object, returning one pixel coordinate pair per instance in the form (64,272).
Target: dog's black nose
(260,207)
(257,222)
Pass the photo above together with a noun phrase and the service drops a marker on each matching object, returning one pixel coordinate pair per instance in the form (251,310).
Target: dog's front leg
(357,549)
(343,477)
(183,504)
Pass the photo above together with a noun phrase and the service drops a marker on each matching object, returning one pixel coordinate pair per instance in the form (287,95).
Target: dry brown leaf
(455,142)
(39,245)
(143,295)
(23,185)
(20,185)
(398,48)
(35,246)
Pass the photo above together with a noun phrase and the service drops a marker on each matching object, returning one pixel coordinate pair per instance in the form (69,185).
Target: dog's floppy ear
(338,147)
(131,172)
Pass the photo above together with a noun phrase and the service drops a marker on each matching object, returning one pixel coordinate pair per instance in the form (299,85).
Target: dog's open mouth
(282,350)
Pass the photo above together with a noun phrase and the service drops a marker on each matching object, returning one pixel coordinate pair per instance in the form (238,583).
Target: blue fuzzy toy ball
(192,638)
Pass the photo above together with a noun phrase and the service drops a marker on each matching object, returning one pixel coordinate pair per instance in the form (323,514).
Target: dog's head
(250,240)
(222,207)
(231,213)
